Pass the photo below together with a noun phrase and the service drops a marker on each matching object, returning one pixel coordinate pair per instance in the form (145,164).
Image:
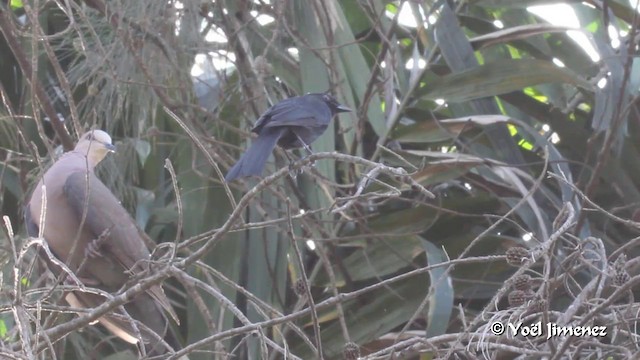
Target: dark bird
(292,123)
(87,229)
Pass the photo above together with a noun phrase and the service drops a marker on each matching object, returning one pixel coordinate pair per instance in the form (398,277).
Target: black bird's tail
(254,159)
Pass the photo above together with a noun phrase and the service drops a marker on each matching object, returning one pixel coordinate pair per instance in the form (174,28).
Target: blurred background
(506,111)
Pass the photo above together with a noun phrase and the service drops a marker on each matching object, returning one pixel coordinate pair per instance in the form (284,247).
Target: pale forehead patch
(97,135)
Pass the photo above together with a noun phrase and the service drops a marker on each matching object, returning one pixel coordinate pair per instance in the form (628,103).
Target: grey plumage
(86,227)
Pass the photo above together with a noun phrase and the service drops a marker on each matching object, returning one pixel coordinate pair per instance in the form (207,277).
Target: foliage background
(353,256)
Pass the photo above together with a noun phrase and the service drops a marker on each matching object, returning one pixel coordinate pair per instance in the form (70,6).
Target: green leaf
(144,204)
(519,3)
(122,355)
(440,291)
(16,4)
(10,179)
(143,148)
(379,256)
(370,315)
(441,130)
(499,77)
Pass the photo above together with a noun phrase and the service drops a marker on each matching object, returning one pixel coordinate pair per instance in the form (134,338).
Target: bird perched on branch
(292,123)
(88,230)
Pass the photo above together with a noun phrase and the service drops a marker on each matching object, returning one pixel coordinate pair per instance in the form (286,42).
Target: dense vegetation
(490,172)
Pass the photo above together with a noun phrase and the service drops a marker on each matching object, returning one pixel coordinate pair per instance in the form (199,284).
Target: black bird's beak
(342,108)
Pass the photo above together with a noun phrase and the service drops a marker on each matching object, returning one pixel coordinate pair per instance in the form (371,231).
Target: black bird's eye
(89,136)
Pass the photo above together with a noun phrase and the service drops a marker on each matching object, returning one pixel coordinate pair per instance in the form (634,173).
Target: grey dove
(86,227)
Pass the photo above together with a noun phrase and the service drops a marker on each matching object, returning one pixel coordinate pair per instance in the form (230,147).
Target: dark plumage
(292,123)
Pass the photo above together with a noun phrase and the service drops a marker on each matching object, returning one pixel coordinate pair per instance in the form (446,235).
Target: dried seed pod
(351,351)
(300,288)
(517,298)
(517,255)
(621,277)
(522,282)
